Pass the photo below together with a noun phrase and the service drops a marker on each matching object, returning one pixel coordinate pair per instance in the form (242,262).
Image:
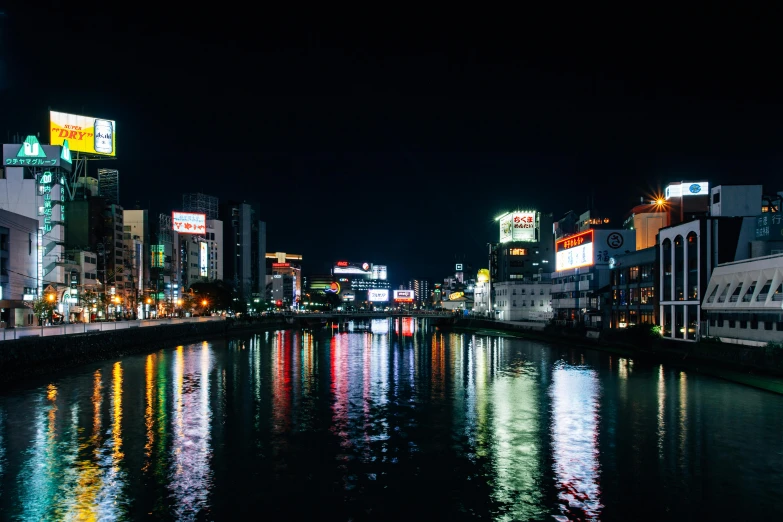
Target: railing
(101,326)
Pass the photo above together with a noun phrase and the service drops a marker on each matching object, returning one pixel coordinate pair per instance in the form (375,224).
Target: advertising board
(686,188)
(203,259)
(83,133)
(520,225)
(455,295)
(574,251)
(32,153)
(506,228)
(189,222)
(349,296)
(379,294)
(403,296)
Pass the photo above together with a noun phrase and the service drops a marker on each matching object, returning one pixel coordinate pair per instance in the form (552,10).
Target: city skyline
(398,151)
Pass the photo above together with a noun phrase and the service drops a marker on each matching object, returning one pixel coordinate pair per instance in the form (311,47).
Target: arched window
(693,266)
(679,269)
(666,265)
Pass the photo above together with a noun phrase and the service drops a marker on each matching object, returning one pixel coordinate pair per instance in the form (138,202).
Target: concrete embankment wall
(37,356)
(760,367)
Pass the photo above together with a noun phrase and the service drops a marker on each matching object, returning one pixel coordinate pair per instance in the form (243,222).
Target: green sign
(46,181)
(769,227)
(32,153)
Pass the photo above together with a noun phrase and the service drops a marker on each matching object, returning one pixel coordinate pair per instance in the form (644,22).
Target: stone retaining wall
(35,356)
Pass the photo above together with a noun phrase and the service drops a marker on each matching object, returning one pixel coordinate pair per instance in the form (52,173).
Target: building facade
(244,251)
(520,300)
(744,301)
(633,294)
(18,268)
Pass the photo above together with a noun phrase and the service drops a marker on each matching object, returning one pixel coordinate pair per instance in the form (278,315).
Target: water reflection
(575,405)
(393,420)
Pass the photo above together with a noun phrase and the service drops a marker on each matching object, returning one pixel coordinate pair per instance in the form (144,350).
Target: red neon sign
(280,265)
(342,263)
(574,241)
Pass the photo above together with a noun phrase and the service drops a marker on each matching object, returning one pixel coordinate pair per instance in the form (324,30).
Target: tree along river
(390,420)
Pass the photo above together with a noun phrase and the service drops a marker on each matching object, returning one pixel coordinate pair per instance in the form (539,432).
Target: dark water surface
(399,422)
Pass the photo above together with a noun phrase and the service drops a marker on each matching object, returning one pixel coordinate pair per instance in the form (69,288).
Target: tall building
(421,290)
(525,249)
(244,251)
(109,185)
(284,281)
(202,203)
(359,278)
(136,234)
(199,255)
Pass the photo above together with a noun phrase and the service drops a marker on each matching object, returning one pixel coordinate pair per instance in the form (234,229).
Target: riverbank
(30,357)
(751,366)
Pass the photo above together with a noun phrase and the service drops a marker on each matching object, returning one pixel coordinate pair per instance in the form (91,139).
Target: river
(387,420)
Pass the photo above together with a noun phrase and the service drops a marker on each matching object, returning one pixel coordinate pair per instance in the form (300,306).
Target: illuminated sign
(519,226)
(574,251)
(378,295)
(203,259)
(188,222)
(334,288)
(349,270)
(379,272)
(700,188)
(83,133)
(342,263)
(158,256)
(483,275)
(365,266)
(39,244)
(281,265)
(403,296)
(458,267)
(343,279)
(517,251)
(349,296)
(32,154)
(456,295)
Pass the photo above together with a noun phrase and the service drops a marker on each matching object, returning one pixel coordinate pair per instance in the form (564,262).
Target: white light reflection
(517,448)
(574,393)
(661,410)
(191,476)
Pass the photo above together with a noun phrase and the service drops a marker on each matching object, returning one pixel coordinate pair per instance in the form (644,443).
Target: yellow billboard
(83,133)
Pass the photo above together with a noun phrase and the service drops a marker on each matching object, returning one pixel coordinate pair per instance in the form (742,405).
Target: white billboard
(403,296)
(574,251)
(506,228)
(699,188)
(378,295)
(520,225)
(203,259)
(189,222)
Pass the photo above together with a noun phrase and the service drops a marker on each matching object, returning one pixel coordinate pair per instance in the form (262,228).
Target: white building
(18,268)
(744,301)
(523,300)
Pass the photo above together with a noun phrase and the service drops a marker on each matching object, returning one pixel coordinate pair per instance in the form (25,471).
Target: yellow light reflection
(116,432)
(149,419)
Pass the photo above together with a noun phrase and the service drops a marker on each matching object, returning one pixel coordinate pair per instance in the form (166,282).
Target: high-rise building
(200,255)
(202,203)
(285,279)
(525,249)
(244,251)
(109,185)
(136,234)
(421,290)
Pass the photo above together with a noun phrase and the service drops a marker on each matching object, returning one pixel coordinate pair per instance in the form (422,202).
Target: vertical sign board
(203,259)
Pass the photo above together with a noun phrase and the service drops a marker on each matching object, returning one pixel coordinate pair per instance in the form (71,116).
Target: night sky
(381,139)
